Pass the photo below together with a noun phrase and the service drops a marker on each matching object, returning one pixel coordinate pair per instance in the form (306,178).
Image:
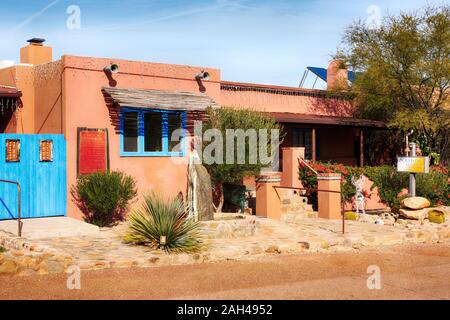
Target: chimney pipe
(337,75)
(35,52)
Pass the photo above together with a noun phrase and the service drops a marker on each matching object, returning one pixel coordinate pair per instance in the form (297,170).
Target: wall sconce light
(203,75)
(113,68)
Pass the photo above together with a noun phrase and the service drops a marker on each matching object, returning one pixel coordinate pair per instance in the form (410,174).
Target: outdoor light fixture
(203,76)
(162,240)
(46,151)
(113,68)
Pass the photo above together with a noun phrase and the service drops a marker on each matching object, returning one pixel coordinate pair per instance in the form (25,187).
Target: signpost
(413,165)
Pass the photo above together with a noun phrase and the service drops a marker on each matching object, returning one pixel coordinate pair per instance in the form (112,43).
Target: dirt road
(407,272)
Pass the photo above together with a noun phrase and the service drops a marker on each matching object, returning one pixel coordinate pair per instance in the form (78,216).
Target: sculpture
(359,197)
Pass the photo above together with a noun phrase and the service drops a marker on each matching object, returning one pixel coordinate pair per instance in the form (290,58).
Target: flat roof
(287,117)
(9,92)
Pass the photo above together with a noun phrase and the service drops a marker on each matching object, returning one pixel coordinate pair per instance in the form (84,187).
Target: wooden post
(314,144)
(361,148)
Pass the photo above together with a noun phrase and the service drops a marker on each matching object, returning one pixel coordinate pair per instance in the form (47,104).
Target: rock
(351,215)
(414,214)
(415,203)
(272,249)
(8,266)
(204,194)
(436,216)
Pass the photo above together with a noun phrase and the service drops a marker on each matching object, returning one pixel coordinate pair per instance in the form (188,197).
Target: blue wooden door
(38,163)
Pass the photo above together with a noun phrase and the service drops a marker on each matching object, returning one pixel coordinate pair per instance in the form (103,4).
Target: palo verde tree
(403,70)
(237,143)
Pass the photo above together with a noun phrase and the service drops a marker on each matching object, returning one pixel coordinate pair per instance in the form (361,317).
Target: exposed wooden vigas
(158,99)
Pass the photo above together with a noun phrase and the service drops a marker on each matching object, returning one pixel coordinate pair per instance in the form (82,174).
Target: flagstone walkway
(106,249)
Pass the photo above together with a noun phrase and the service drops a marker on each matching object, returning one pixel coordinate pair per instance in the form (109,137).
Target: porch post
(314,144)
(361,148)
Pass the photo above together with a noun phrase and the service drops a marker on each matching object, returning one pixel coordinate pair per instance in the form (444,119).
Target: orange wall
(47,81)
(84,106)
(284,102)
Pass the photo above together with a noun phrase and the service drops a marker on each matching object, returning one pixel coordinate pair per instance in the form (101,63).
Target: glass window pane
(175,131)
(12,150)
(130,131)
(152,131)
(308,144)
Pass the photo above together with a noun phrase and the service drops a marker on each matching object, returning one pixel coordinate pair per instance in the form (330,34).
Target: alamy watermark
(236,146)
(73,22)
(373,21)
(74,278)
(374,280)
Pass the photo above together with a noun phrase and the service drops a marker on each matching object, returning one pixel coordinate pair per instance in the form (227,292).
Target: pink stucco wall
(84,106)
(61,96)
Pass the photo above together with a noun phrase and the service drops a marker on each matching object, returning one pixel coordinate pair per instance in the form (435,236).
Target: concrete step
(298,216)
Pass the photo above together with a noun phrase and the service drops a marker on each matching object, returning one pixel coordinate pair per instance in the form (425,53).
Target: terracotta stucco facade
(64,95)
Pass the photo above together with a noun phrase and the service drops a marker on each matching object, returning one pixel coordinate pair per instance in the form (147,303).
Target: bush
(225,118)
(434,187)
(2,249)
(104,196)
(309,178)
(389,183)
(158,219)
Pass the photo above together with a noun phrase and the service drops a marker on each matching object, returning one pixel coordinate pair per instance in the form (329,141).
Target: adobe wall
(84,106)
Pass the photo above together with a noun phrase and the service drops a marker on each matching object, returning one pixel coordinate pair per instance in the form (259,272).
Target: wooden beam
(314,144)
(361,148)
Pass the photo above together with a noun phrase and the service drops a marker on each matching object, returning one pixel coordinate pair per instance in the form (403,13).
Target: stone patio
(52,227)
(224,240)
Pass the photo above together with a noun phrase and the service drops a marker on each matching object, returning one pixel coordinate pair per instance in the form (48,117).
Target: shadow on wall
(340,107)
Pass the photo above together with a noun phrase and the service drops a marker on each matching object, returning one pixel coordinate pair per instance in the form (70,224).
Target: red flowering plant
(309,178)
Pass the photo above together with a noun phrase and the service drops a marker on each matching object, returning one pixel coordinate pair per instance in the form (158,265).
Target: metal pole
(19,219)
(412,176)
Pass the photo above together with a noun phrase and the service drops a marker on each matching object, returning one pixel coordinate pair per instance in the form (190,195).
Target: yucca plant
(163,224)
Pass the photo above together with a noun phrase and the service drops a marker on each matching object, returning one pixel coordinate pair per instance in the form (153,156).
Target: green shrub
(158,218)
(309,179)
(103,197)
(2,249)
(389,183)
(434,187)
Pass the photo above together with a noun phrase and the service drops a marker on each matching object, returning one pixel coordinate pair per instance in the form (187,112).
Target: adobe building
(117,114)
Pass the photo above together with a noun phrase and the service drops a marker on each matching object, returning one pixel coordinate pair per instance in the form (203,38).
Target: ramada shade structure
(286,117)
(158,99)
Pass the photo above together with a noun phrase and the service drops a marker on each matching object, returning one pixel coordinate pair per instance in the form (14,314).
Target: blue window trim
(165,140)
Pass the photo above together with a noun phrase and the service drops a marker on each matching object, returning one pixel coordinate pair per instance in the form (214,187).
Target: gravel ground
(407,272)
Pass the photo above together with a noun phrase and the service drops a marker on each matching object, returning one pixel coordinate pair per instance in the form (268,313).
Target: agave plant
(163,224)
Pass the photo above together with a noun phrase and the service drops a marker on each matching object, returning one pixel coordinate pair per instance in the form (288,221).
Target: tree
(232,165)
(403,75)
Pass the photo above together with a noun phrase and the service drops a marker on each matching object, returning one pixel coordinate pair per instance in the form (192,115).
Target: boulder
(415,203)
(414,214)
(436,216)
(204,199)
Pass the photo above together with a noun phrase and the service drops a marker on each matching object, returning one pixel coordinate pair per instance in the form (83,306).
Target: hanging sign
(413,164)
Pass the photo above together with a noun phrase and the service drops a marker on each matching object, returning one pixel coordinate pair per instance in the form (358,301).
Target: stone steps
(298,216)
(294,206)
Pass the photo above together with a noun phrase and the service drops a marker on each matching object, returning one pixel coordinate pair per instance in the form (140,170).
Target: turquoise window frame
(165,139)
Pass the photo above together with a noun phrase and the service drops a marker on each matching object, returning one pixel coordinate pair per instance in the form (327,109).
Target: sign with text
(413,164)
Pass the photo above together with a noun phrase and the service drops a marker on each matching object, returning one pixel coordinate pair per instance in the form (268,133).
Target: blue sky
(249,40)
